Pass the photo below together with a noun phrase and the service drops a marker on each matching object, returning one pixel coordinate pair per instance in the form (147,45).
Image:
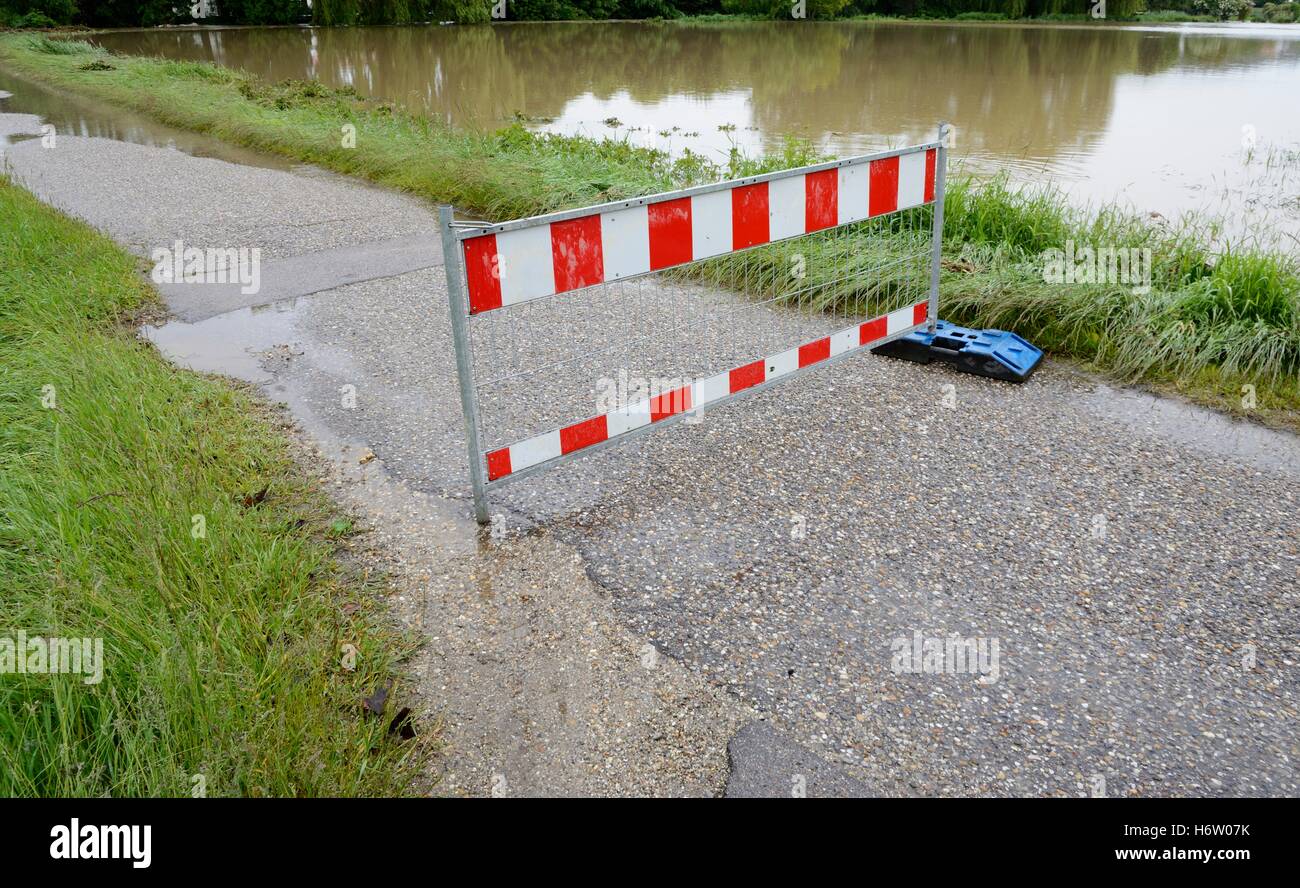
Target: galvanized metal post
(936,237)
(458,305)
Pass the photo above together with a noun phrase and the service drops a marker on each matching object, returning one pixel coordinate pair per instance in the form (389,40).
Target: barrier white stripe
(855,193)
(713,388)
(787,203)
(911,180)
(626,238)
(625,419)
(782,363)
(535,450)
(899,320)
(711,224)
(527,268)
(846,340)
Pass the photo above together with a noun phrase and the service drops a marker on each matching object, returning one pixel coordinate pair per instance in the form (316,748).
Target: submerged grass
(221,648)
(1214,319)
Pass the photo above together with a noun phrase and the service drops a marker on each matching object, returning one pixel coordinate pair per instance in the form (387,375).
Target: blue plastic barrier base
(996,354)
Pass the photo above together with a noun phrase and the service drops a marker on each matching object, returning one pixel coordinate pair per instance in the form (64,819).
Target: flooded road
(1167,119)
(73,115)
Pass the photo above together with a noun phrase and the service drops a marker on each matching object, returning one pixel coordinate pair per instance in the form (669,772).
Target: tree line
(148,13)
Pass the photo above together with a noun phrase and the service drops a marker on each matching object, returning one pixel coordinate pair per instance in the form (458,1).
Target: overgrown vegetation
(222,634)
(1213,320)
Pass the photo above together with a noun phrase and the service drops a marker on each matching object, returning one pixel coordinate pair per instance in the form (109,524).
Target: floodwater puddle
(260,345)
(239,343)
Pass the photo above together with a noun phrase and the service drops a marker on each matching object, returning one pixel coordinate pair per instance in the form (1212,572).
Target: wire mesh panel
(575,330)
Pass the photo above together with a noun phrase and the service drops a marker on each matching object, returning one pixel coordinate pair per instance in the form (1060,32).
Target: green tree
(781,9)
(1224,10)
(37,13)
(132,13)
(367,12)
(465,12)
(644,9)
(263,12)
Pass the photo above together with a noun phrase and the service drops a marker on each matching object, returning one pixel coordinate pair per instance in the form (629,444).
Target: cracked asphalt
(1126,565)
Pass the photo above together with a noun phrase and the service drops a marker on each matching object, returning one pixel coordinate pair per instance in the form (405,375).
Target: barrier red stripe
(920,313)
(576,252)
(665,405)
(822,195)
(750,222)
(482,274)
(877,328)
(815,351)
(670,233)
(749,375)
(498,463)
(884,186)
(929,174)
(584,434)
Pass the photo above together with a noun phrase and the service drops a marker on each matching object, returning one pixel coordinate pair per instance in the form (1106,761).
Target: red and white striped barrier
(494,267)
(598,429)
(535,258)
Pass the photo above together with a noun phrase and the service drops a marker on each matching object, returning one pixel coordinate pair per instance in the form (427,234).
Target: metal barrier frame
(454,234)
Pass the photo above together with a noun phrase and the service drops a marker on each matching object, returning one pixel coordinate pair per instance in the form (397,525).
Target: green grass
(49,46)
(222,651)
(1215,319)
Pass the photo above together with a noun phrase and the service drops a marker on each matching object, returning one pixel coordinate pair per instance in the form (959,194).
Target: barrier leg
(458,305)
(936,236)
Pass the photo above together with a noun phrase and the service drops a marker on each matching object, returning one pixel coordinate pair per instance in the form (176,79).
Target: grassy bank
(1215,319)
(221,635)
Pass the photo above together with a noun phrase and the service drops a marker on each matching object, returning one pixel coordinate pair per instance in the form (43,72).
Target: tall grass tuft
(48,46)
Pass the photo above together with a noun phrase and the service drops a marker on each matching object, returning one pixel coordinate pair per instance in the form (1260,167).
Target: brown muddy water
(1167,119)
